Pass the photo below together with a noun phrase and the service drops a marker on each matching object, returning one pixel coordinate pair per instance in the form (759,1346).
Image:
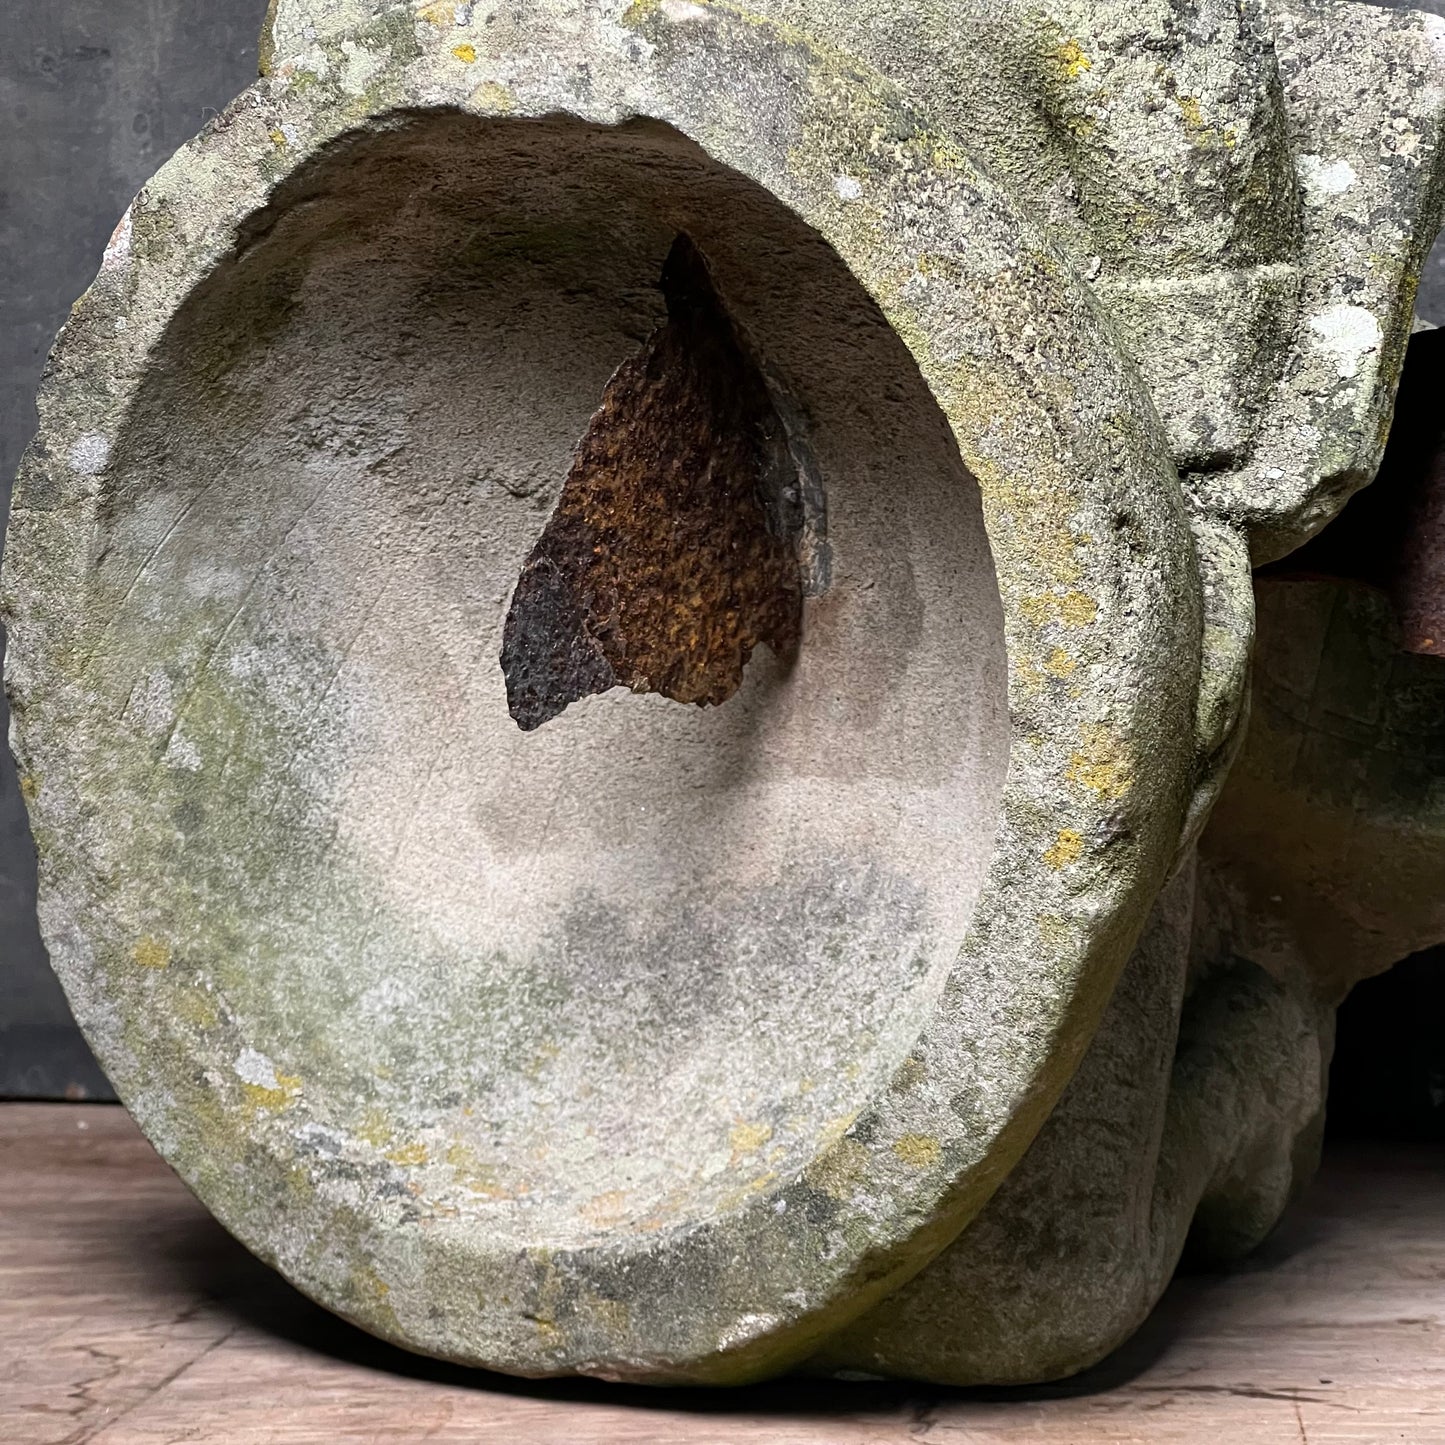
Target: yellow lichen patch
(300,1183)
(372,1294)
(918,1151)
(440,13)
(494,97)
(1199,128)
(1055,933)
(195,1008)
(1027,676)
(467,54)
(409,1154)
(945,153)
(931,263)
(1053,547)
(639,10)
(911,1073)
(612,1314)
(1060,663)
(604,1210)
(278,137)
(152,952)
(1073,609)
(549,1296)
(29,787)
(258,1096)
(834,1129)
(1077,609)
(478,1177)
(748,1138)
(1071,59)
(1066,850)
(1101,766)
(375,1128)
(838,1171)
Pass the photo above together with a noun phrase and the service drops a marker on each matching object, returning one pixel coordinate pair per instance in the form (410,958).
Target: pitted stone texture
(253,568)
(1250,190)
(1320,867)
(1365,94)
(1195,1115)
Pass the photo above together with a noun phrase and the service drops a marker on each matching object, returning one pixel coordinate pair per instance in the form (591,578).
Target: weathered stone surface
(664,1043)
(1195,1115)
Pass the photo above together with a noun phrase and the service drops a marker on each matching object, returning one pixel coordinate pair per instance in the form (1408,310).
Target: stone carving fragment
(906,1008)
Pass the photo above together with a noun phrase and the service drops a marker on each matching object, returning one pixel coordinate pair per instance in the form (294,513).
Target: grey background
(94,95)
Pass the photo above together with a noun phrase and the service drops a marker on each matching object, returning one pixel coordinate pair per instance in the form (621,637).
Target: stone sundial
(622,612)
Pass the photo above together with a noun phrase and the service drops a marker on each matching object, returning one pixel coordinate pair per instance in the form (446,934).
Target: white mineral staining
(117,252)
(319,1139)
(848,188)
(253,1067)
(183,753)
(1320,179)
(1348,334)
(1401,139)
(680,10)
(90,454)
(359,68)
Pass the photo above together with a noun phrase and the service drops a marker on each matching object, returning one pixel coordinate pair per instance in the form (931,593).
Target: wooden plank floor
(127,1317)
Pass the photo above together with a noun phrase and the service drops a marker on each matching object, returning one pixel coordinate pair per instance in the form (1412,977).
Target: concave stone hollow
(612,975)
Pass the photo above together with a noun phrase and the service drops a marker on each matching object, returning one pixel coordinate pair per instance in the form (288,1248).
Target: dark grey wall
(94,95)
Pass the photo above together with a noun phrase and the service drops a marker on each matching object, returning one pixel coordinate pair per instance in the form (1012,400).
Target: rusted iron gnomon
(672,551)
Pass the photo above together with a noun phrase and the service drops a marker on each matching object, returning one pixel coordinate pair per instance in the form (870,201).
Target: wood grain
(127,1317)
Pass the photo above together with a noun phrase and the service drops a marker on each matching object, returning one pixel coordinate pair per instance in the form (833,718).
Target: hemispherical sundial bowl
(647,1039)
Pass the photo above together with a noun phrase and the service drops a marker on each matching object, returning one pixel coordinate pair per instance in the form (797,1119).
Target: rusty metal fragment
(672,552)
